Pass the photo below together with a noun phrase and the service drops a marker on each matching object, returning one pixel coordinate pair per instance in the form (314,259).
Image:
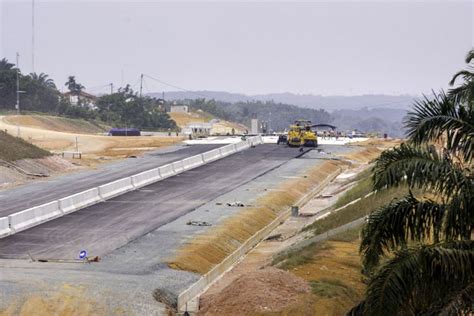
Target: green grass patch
(328,287)
(347,236)
(360,189)
(294,258)
(357,210)
(14,148)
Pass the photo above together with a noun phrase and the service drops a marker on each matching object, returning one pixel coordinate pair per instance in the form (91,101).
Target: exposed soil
(222,127)
(58,124)
(26,170)
(93,147)
(260,291)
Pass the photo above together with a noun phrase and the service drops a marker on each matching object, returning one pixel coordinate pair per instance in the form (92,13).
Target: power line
(177,87)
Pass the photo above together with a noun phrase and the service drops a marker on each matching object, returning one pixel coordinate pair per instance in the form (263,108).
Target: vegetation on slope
(14,148)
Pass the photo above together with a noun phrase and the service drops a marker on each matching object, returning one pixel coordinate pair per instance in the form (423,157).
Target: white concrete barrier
(178,166)
(145,178)
(115,188)
(34,216)
(211,155)
(166,171)
(193,162)
(4,227)
(227,150)
(241,146)
(79,200)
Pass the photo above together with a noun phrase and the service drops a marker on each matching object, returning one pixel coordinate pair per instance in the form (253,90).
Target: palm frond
(470,56)
(391,226)
(417,277)
(442,116)
(459,303)
(419,167)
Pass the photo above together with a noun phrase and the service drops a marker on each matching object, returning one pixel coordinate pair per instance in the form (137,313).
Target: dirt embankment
(221,127)
(26,170)
(261,291)
(58,134)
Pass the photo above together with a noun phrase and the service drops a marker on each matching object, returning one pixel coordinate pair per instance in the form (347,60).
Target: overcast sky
(328,48)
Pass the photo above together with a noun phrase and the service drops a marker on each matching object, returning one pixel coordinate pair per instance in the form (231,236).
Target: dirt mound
(261,291)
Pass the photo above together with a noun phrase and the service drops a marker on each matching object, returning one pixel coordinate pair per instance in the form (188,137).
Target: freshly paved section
(37,193)
(106,226)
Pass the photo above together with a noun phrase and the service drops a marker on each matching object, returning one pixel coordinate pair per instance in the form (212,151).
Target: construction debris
(236,204)
(198,223)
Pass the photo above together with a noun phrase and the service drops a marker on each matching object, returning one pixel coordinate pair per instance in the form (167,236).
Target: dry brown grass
(364,155)
(204,251)
(68,301)
(334,273)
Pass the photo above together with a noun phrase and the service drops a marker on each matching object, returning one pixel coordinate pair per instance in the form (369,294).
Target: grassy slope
(14,148)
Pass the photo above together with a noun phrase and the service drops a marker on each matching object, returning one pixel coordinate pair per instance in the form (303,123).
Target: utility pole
(33,36)
(111,88)
(17,106)
(141,85)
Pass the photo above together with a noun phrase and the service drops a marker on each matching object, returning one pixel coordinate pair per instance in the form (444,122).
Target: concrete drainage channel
(30,217)
(188,300)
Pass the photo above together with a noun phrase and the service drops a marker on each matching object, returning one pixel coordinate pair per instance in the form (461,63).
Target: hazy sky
(338,47)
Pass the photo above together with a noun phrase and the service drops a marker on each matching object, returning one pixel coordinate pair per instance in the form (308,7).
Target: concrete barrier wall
(115,188)
(241,146)
(166,171)
(211,155)
(145,178)
(80,200)
(4,227)
(227,150)
(34,216)
(178,166)
(39,214)
(193,162)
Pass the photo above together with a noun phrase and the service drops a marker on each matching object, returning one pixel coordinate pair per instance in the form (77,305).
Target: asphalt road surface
(103,227)
(40,192)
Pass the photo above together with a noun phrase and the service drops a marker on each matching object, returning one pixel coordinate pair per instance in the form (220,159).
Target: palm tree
(5,65)
(418,251)
(43,79)
(73,86)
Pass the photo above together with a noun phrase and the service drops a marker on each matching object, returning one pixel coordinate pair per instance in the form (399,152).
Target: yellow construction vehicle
(300,134)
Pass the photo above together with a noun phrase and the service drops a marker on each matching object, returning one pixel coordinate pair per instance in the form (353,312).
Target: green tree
(43,80)
(125,109)
(8,75)
(418,251)
(73,86)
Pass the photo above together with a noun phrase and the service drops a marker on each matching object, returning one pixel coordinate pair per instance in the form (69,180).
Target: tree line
(39,93)
(277,115)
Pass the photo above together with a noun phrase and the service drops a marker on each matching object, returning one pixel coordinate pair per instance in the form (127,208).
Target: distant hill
(328,103)
(367,113)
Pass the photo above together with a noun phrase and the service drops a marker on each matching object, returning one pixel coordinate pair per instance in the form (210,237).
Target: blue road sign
(82,254)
